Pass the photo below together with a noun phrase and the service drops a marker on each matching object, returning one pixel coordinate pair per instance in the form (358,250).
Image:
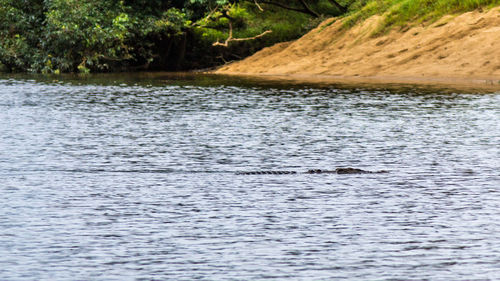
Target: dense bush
(53,36)
(83,35)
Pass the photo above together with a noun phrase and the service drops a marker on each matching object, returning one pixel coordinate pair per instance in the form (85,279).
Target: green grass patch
(404,13)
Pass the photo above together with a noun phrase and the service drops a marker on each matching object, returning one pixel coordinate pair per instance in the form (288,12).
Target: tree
(108,35)
(226,9)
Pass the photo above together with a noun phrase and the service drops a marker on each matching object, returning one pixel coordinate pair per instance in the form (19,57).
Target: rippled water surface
(123,178)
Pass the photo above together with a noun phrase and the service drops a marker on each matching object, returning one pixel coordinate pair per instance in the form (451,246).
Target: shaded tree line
(53,36)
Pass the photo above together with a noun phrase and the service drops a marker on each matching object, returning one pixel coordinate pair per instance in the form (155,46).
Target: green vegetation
(54,36)
(402,13)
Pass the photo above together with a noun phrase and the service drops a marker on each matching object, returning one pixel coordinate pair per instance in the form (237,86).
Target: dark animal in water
(343,171)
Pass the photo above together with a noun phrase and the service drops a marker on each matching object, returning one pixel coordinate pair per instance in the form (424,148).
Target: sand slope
(462,46)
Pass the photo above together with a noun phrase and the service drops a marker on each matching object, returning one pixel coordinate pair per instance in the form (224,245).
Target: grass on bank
(405,13)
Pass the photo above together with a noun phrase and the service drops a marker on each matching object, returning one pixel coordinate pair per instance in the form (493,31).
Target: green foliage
(81,35)
(20,23)
(77,32)
(53,36)
(247,21)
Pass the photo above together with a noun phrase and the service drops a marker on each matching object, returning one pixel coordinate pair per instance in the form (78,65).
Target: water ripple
(137,181)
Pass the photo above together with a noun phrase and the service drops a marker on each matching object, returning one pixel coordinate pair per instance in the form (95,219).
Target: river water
(122,177)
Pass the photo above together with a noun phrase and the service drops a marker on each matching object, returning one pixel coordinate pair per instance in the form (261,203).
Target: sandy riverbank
(463,49)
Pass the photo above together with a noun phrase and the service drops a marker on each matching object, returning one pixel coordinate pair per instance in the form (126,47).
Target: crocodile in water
(315,171)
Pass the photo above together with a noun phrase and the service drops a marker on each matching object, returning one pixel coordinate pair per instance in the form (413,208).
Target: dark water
(123,178)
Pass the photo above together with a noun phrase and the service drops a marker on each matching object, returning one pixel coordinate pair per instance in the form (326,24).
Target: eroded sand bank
(462,48)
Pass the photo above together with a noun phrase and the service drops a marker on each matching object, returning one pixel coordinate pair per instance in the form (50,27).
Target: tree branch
(258,6)
(230,37)
(306,8)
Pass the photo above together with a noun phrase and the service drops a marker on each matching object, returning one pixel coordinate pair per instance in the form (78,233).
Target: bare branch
(230,37)
(252,38)
(258,6)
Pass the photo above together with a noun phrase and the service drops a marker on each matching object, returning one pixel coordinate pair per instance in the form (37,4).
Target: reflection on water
(130,178)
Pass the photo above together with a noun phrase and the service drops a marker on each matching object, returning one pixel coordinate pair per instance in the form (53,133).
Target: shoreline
(490,84)
(479,84)
(455,51)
